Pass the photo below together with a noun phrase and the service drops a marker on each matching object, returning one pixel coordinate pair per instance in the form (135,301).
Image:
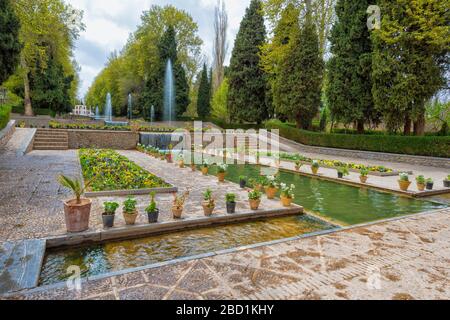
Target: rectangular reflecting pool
(116,256)
(337,202)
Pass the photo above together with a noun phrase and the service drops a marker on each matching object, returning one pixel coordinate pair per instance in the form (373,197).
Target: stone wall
(119,140)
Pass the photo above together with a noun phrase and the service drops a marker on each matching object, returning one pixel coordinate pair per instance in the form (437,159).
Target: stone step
(50,144)
(50,148)
(51,139)
(20,265)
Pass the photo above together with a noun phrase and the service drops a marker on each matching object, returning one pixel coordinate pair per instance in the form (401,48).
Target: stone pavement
(404,259)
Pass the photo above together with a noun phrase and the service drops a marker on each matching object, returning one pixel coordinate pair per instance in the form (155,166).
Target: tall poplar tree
(349,91)
(9,40)
(247,81)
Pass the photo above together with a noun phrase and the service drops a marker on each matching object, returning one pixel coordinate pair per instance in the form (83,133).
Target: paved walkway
(405,259)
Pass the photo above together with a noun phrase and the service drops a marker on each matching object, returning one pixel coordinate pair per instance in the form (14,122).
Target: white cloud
(109,23)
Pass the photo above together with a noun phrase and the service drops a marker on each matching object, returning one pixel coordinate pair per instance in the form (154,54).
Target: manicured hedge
(420,146)
(4,116)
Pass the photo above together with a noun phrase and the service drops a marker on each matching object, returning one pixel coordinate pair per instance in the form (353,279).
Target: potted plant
(208,203)
(181,161)
(178,204)
(77,211)
(231,203)
(152,210)
(430,184)
(169,157)
(221,172)
(287,194)
(205,168)
(130,212)
(315,166)
(447,182)
(342,172)
(298,165)
(271,187)
(421,182)
(109,214)
(193,167)
(363,175)
(242,181)
(254,198)
(404,182)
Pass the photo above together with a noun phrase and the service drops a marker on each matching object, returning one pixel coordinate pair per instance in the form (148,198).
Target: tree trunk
(407,128)
(26,87)
(419,126)
(360,127)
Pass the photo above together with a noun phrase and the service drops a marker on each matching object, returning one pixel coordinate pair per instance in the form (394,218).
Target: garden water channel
(339,203)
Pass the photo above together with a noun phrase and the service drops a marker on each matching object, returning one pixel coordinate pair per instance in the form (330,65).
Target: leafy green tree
(411,52)
(248,82)
(204,95)
(51,88)
(349,89)
(219,103)
(9,40)
(300,82)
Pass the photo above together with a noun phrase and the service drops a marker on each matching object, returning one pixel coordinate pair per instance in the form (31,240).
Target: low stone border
(147,230)
(7,132)
(134,192)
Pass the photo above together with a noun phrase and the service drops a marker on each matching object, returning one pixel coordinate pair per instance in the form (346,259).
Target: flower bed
(106,170)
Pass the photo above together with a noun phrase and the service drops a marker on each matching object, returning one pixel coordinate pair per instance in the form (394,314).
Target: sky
(110,22)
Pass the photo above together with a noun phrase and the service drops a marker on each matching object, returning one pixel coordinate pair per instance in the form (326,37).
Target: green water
(115,256)
(338,202)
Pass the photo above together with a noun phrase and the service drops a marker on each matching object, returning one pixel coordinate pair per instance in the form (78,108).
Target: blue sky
(109,23)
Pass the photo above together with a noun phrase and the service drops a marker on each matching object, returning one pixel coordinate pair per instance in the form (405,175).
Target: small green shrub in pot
(342,172)
(152,209)
(430,184)
(130,212)
(421,182)
(254,198)
(109,214)
(230,199)
(447,182)
(404,182)
(315,166)
(243,181)
(208,203)
(364,175)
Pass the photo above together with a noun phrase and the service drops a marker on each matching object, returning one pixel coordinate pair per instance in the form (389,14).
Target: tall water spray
(108,108)
(169,93)
(152,114)
(130,107)
(97,113)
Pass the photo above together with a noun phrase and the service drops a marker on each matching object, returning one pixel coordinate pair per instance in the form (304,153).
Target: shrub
(420,146)
(4,116)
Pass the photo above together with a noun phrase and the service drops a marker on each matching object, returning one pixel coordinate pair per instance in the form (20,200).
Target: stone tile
(144,292)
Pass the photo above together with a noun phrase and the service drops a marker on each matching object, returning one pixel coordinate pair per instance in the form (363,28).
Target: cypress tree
(204,95)
(9,40)
(247,80)
(299,85)
(350,68)
(411,52)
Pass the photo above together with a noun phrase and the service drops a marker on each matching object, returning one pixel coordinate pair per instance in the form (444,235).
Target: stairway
(50,139)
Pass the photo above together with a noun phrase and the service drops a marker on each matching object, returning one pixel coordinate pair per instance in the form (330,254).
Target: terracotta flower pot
(314,170)
(258,187)
(221,176)
(254,204)
(207,209)
(286,202)
(404,185)
(181,164)
(297,168)
(77,215)
(363,179)
(130,218)
(169,158)
(271,193)
(421,186)
(205,171)
(193,167)
(177,212)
